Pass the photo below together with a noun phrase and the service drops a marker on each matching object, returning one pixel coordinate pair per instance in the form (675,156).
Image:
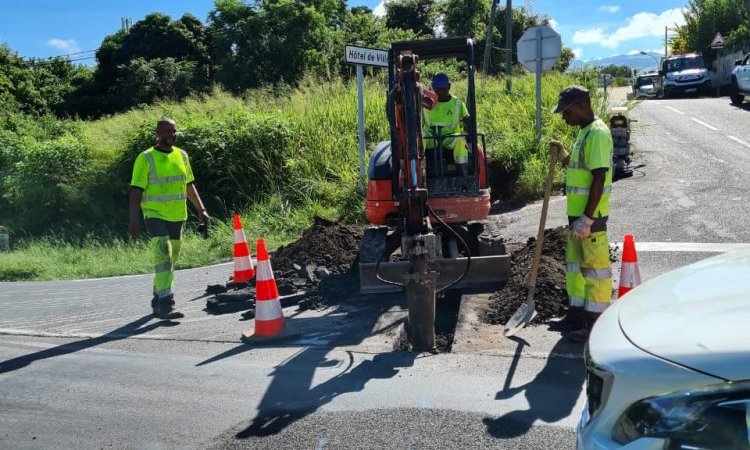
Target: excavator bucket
(486,273)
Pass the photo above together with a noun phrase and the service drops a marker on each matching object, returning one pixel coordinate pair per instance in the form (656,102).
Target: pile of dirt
(550,296)
(318,269)
(325,244)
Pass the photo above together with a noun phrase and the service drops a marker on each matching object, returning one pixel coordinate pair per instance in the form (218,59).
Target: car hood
(697,316)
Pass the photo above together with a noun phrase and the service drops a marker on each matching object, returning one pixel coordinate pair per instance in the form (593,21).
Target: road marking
(694,247)
(321,444)
(739,141)
(676,110)
(704,124)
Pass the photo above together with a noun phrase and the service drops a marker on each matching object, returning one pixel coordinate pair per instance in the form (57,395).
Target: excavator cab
(460,252)
(455,198)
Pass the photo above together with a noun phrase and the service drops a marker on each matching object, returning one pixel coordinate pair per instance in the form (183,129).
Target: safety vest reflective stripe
(596,307)
(153,178)
(597,274)
(268,310)
(447,125)
(585,191)
(576,165)
(572,268)
(163,293)
(164,198)
(576,302)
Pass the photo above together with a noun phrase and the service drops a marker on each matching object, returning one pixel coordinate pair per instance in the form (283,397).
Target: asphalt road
(82,365)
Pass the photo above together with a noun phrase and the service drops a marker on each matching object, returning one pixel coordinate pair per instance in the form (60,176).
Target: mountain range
(636,61)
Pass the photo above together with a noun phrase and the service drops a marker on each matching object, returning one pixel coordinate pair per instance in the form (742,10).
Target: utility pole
(488,39)
(509,44)
(665,40)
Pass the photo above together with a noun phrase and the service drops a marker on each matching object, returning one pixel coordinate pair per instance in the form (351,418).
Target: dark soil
(321,265)
(550,296)
(327,244)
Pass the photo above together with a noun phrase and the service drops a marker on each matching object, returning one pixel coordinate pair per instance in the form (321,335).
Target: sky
(594,29)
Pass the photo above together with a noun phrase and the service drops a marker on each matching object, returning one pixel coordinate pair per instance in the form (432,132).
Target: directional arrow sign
(718,41)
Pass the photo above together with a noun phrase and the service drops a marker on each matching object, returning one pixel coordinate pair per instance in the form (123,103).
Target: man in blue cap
(444,119)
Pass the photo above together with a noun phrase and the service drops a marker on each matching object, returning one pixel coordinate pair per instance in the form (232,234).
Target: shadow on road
(551,395)
(291,395)
(290,398)
(131,329)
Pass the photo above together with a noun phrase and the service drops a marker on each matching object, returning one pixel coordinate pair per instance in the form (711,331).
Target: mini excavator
(426,233)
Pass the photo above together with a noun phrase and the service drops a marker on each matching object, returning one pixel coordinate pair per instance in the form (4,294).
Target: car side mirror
(661,73)
(738,62)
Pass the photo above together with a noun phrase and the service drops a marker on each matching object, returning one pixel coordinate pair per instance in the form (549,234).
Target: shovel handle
(542,224)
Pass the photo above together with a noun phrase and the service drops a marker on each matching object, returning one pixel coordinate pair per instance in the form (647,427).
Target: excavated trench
(320,269)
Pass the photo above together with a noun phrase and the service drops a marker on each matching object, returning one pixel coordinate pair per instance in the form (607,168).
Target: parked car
(668,364)
(645,85)
(740,80)
(684,74)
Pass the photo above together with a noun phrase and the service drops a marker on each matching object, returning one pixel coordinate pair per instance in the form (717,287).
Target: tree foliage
(704,18)
(417,16)
(465,17)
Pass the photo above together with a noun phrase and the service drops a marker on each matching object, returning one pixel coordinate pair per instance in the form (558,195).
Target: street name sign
(366,56)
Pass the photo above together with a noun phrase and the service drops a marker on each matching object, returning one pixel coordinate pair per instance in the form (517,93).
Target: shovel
(526,312)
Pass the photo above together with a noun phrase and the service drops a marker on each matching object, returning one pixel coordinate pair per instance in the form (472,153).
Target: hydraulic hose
(463,243)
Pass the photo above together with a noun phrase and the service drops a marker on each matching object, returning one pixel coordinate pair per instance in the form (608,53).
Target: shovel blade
(523,315)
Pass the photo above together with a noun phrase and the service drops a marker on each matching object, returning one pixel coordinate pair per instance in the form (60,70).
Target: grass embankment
(279,158)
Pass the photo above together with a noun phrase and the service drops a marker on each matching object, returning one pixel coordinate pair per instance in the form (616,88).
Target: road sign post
(605,80)
(360,57)
(538,50)
(717,44)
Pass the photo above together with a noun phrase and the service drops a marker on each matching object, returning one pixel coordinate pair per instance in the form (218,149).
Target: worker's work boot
(164,308)
(581,336)
(575,319)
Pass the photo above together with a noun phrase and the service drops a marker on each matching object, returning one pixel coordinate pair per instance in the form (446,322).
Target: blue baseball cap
(440,80)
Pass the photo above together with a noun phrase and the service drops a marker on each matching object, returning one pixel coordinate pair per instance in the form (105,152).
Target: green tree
(418,16)
(566,58)
(155,45)
(704,18)
(465,17)
(276,40)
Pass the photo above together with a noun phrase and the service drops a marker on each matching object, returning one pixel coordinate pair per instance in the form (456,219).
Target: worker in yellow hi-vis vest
(162,181)
(588,183)
(445,118)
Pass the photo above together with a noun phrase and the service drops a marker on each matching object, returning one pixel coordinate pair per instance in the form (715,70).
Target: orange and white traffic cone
(630,274)
(269,317)
(243,264)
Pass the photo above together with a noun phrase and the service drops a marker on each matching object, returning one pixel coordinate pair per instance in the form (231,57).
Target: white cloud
(64,45)
(640,25)
(608,9)
(380,9)
(553,23)
(578,52)
(634,52)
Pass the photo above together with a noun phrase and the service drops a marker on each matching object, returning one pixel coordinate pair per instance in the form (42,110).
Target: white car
(668,364)
(740,80)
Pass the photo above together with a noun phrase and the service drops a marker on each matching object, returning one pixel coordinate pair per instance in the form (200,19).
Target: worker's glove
(556,151)
(581,228)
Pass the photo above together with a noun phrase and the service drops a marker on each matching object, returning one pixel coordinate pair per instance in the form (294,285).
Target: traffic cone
(243,264)
(269,317)
(630,275)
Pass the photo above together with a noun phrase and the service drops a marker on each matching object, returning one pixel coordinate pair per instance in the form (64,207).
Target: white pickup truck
(740,80)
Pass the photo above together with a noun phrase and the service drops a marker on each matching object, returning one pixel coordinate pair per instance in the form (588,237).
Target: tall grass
(279,156)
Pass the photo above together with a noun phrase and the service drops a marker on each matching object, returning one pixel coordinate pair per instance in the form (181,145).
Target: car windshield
(676,65)
(645,81)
